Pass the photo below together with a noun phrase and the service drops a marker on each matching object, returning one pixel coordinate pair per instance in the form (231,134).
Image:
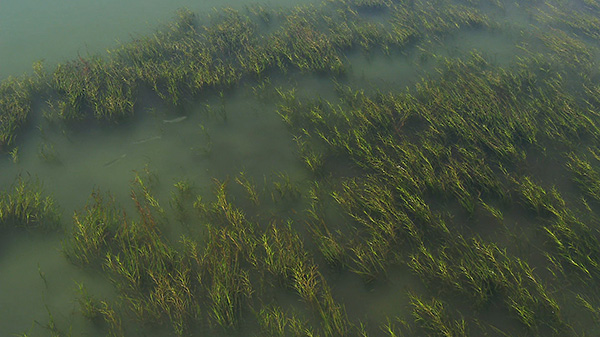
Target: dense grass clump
(460,142)
(25,205)
(221,282)
(15,105)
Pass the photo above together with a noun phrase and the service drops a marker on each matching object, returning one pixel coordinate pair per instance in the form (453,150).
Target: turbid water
(217,140)
(56,32)
(218,135)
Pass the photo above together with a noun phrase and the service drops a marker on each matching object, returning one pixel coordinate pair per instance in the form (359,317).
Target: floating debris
(175,120)
(115,160)
(145,140)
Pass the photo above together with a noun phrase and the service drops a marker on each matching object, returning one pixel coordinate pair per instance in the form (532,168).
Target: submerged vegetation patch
(24,205)
(474,192)
(186,59)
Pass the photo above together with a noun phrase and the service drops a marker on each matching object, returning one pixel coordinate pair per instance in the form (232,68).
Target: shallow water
(214,137)
(58,31)
(36,282)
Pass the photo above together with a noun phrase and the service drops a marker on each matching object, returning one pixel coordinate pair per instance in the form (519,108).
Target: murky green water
(217,136)
(215,139)
(60,30)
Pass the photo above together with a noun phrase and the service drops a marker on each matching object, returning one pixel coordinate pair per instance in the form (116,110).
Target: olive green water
(197,149)
(217,136)
(213,138)
(58,31)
